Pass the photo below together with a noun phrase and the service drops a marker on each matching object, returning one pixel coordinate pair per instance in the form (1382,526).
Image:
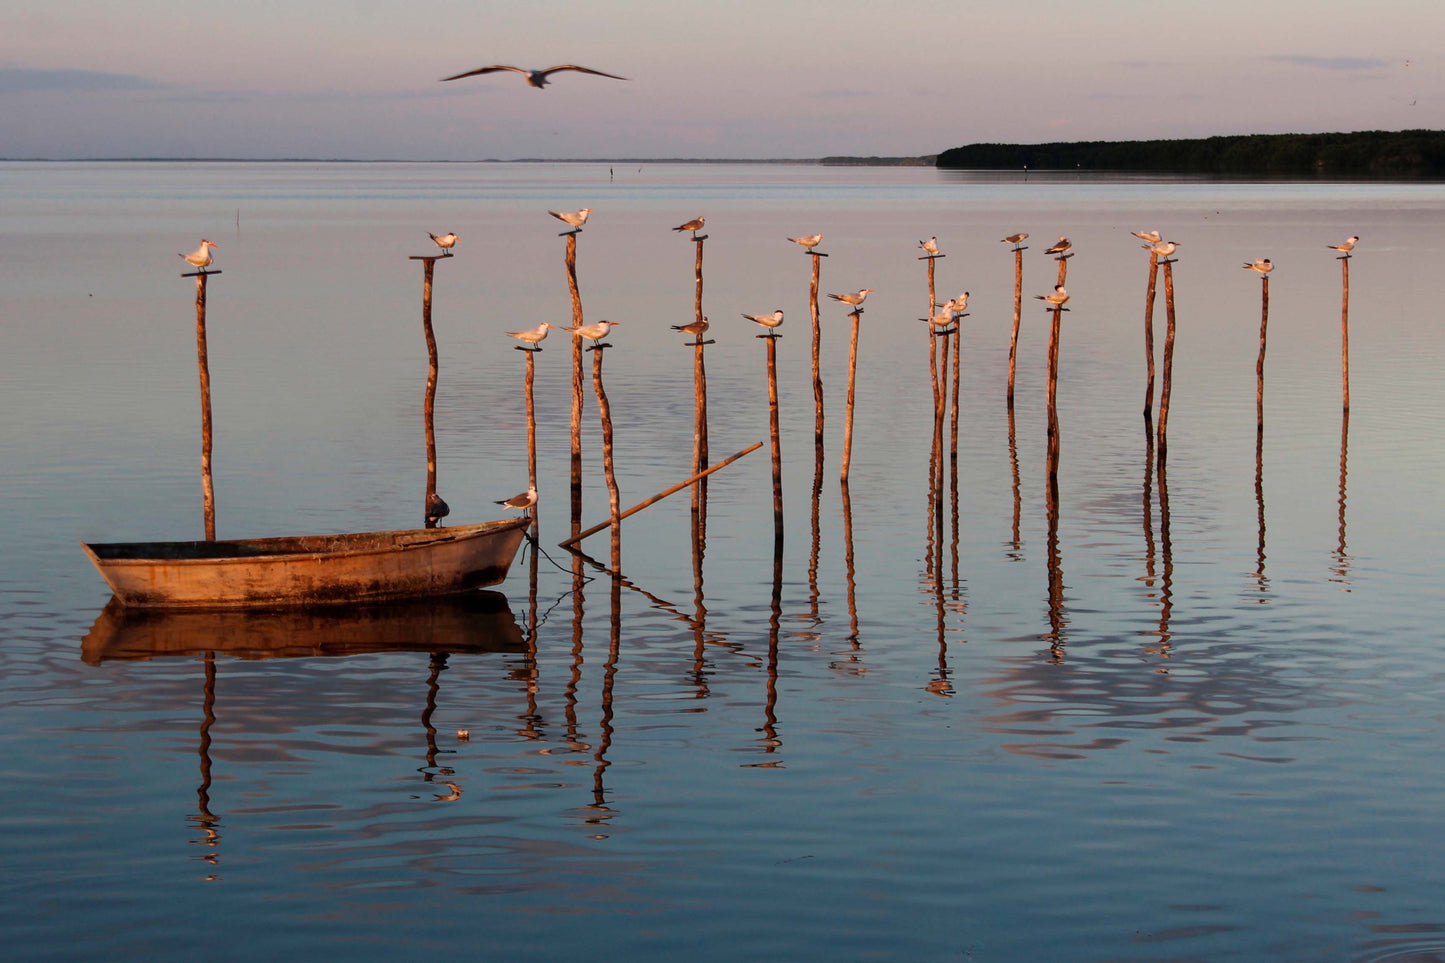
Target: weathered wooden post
(817,341)
(957,378)
(932,331)
(771,339)
(604,412)
(1053,390)
(852,380)
(1259,364)
(1149,333)
(527,381)
(571,264)
(1013,345)
(699,461)
(429,407)
(1345,329)
(1166,383)
(203,364)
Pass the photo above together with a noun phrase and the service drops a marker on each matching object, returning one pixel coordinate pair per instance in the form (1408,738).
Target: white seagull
(536,78)
(1344,248)
(853,299)
(1163,248)
(809,241)
(444,241)
(693,225)
(930,245)
(767,320)
(576,219)
(594,332)
(1063,247)
(531,336)
(521,502)
(960,303)
(944,317)
(1263,265)
(1152,237)
(1057,299)
(201,256)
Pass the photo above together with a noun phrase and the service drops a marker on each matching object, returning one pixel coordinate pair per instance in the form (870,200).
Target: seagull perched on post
(1263,265)
(693,225)
(768,321)
(1164,248)
(436,508)
(695,328)
(853,299)
(576,219)
(1063,247)
(1344,248)
(200,258)
(1057,299)
(808,241)
(1014,239)
(536,78)
(943,318)
(523,501)
(444,241)
(533,335)
(594,332)
(930,245)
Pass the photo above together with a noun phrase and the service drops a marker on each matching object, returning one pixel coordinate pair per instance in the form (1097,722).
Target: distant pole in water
(604,411)
(1149,332)
(957,377)
(1053,394)
(817,341)
(932,332)
(208,491)
(1013,345)
(531,426)
(571,263)
(848,415)
(1167,380)
(1345,329)
(1259,365)
(429,407)
(699,377)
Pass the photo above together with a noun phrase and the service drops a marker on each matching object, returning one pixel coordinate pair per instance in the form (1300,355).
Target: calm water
(1197,717)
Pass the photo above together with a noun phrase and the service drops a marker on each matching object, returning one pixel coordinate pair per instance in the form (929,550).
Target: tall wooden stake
(1345,331)
(932,332)
(1149,333)
(852,379)
(571,261)
(1259,365)
(957,377)
(428,265)
(1167,381)
(531,428)
(1013,345)
(817,340)
(604,411)
(208,492)
(699,461)
(1053,393)
(772,343)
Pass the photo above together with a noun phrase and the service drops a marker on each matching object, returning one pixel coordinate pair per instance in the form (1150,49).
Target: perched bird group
(201,257)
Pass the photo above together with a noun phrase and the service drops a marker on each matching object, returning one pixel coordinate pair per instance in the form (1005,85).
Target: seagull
(536,78)
(444,241)
(533,336)
(1151,237)
(576,220)
(810,241)
(201,256)
(695,328)
(1057,299)
(930,245)
(1164,248)
(853,299)
(767,320)
(944,317)
(1263,265)
(523,501)
(1344,248)
(594,332)
(1015,239)
(960,303)
(1063,247)
(436,508)
(693,225)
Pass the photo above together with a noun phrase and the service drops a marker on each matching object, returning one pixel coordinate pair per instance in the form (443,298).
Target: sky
(358,79)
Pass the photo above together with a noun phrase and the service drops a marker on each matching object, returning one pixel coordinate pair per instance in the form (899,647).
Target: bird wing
(581,70)
(491,69)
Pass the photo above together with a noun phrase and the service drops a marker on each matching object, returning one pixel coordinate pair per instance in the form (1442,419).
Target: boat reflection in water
(471,622)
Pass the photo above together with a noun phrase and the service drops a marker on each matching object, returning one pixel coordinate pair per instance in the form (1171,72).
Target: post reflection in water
(812,617)
(1015,554)
(205,820)
(528,675)
(1340,571)
(1057,619)
(849,572)
(1260,579)
(933,569)
(599,813)
(770,741)
(699,607)
(1162,647)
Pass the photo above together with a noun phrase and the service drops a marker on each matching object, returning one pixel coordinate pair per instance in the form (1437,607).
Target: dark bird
(1063,247)
(695,328)
(436,508)
(1015,239)
(536,78)
(693,225)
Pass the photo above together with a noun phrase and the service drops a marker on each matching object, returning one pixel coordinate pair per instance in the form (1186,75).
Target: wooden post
(1013,345)
(932,331)
(1167,380)
(1345,331)
(699,461)
(817,374)
(957,377)
(429,409)
(1149,333)
(571,264)
(1053,392)
(852,380)
(1259,365)
(203,364)
(604,411)
(531,428)
(1063,260)
(946,338)
(772,343)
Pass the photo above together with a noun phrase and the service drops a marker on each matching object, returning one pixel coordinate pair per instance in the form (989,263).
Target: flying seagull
(853,299)
(576,219)
(809,241)
(1149,237)
(537,78)
(1344,248)
(201,256)
(693,225)
(444,241)
(523,501)
(1063,247)
(1263,265)
(1057,299)
(532,336)
(767,320)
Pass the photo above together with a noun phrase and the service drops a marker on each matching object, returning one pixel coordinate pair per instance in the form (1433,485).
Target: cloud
(1330,63)
(14,80)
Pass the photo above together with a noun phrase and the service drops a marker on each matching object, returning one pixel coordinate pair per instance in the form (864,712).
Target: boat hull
(309,569)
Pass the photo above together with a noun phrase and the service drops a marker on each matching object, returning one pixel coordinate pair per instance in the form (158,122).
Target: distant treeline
(1368,153)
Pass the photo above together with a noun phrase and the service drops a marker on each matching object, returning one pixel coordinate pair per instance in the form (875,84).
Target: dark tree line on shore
(1370,153)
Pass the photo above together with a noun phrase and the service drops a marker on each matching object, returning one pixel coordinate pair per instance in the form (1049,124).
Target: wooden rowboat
(309,569)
